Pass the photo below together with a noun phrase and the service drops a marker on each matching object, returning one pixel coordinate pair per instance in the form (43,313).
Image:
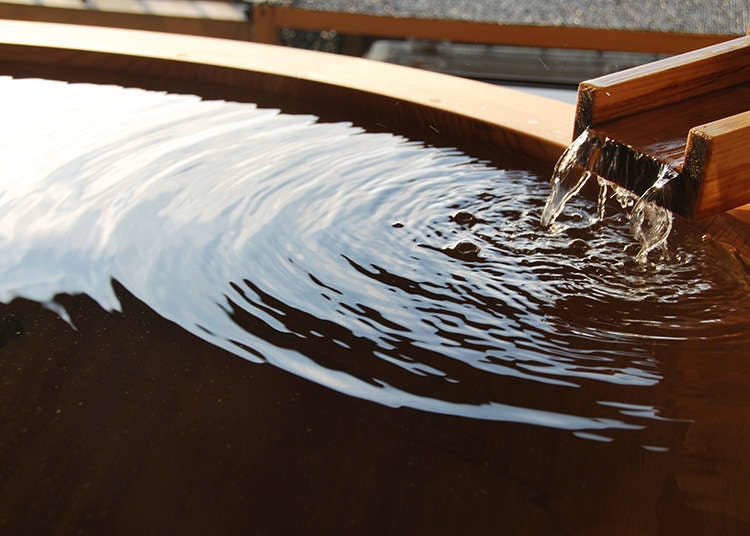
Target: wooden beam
(492,33)
(662,82)
(264,24)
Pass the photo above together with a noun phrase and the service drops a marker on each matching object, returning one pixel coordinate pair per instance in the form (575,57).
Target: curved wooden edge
(435,108)
(449,107)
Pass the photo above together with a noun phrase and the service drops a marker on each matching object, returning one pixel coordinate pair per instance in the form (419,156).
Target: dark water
(546,381)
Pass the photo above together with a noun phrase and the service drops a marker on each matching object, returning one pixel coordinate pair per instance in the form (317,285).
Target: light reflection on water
(338,255)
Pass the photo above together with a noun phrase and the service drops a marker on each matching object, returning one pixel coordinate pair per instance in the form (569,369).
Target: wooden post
(718,159)
(264,23)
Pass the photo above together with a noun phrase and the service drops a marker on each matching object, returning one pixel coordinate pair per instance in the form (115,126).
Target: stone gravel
(691,16)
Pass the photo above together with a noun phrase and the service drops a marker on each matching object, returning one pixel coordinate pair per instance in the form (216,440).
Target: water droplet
(465,218)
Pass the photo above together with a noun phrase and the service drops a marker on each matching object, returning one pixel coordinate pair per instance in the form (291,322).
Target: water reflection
(401,274)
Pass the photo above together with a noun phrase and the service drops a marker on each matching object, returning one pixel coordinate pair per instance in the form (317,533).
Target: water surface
(407,276)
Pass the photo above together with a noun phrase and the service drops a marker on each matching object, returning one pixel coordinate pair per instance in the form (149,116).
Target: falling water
(566,182)
(650,222)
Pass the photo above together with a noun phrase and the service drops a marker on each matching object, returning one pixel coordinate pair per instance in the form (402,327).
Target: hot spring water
(405,275)
(380,268)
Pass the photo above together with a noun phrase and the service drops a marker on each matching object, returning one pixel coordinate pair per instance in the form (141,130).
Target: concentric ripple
(406,275)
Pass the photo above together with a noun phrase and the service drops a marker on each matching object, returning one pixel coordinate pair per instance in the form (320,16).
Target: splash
(567,180)
(650,222)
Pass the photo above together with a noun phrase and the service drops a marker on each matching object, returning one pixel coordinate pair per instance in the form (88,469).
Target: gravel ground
(693,16)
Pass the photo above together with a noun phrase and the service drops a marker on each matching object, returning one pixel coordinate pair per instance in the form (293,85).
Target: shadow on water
(500,376)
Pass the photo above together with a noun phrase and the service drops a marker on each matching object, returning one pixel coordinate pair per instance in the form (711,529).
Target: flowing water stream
(650,223)
(407,276)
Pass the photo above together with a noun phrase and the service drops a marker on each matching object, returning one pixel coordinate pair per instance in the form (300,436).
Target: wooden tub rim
(538,127)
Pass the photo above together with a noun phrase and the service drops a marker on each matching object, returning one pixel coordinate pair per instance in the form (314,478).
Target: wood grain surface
(663,82)
(718,155)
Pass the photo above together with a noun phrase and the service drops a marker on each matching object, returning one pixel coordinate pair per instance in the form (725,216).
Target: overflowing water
(650,222)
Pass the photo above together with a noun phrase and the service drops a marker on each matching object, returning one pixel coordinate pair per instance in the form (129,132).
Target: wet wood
(276,17)
(718,158)
(686,111)
(662,83)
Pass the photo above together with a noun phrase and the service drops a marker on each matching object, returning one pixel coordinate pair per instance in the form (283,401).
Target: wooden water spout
(691,112)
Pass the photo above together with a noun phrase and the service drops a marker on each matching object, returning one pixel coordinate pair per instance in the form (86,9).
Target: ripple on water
(406,275)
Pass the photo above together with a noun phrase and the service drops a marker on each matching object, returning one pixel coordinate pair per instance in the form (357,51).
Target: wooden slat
(485,32)
(662,82)
(663,132)
(718,160)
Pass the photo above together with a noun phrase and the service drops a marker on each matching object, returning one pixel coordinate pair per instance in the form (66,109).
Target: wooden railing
(269,19)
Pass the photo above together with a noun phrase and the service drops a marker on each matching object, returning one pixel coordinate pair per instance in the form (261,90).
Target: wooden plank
(717,162)
(161,18)
(663,132)
(264,25)
(492,33)
(662,82)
